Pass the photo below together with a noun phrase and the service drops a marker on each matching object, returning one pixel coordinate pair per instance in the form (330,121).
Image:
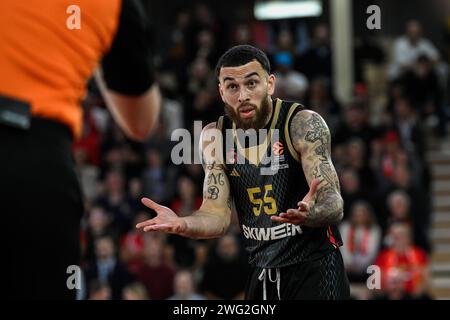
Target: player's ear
(271,84)
(221,91)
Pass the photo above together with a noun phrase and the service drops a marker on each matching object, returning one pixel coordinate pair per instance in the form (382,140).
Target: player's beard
(259,119)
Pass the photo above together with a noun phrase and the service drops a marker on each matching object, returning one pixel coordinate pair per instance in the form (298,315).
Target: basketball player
(288,218)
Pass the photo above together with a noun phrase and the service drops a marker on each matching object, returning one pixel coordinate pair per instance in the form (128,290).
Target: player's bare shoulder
(308,127)
(211,146)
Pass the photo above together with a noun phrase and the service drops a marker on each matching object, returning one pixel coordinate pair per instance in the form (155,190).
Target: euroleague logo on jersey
(278,157)
(278,148)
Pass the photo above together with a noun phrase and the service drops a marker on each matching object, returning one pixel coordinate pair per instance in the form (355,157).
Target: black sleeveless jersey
(267,182)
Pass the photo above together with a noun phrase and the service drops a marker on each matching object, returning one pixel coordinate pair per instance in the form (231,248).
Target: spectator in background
(120,153)
(200,75)
(87,174)
(410,131)
(291,84)
(107,269)
(203,106)
(242,34)
(404,258)
(184,287)
(112,156)
(172,112)
(202,98)
(99,291)
(399,205)
(422,87)
(156,180)
(117,202)
(356,159)
(195,172)
(181,40)
(394,288)
(317,60)
(409,47)
(135,188)
(207,46)
(401,210)
(187,201)
(159,140)
(388,157)
(320,100)
(362,238)
(286,43)
(135,291)
(225,273)
(351,190)
(90,139)
(355,124)
(155,274)
(98,226)
(132,245)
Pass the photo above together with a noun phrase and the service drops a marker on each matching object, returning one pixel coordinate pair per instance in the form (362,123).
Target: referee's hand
(299,215)
(166,220)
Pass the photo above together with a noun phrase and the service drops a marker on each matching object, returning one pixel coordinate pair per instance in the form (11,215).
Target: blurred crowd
(378,145)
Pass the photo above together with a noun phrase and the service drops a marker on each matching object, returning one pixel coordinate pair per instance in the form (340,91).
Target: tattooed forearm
(211,165)
(215,179)
(311,138)
(326,171)
(212,193)
(326,210)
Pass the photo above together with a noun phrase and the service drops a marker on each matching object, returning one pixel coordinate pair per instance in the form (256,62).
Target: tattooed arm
(213,217)
(311,139)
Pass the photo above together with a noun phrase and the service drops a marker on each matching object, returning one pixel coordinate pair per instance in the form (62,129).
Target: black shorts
(41,208)
(322,279)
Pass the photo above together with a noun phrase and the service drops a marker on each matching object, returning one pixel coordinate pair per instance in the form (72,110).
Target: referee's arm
(127,79)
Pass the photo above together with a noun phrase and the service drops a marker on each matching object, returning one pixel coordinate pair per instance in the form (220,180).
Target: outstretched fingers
(146,223)
(150,204)
(164,227)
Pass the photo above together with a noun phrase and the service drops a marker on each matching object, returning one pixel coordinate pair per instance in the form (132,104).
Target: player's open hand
(166,220)
(299,215)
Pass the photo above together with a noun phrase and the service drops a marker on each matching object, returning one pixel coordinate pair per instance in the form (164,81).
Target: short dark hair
(240,55)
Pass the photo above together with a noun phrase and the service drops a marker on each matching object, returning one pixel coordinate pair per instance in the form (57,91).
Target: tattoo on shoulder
(310,127)
(317,129)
